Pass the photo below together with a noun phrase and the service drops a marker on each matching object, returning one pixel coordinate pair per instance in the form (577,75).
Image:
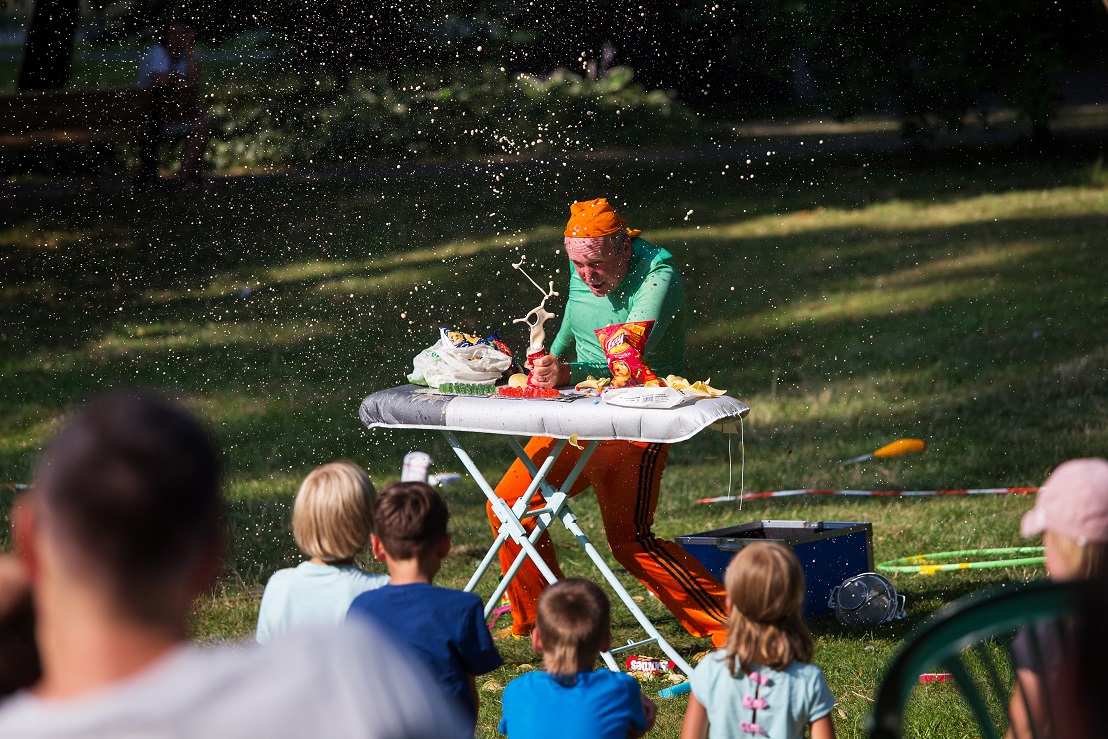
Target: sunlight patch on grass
(846,401)
(309,271)
(898,215)
(212,334)
(245,486)
(227,407)
(395,280)
(847,305)
(992,257)
(29,432)
(918,288)
(43,290)
(135,341)
(32,235)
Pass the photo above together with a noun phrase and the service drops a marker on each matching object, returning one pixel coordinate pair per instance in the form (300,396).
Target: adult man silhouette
(120,533)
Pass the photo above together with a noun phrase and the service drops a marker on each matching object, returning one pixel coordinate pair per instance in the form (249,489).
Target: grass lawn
(848,301)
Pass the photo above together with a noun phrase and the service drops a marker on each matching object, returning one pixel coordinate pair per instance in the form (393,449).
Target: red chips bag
(651,665)
(623,345)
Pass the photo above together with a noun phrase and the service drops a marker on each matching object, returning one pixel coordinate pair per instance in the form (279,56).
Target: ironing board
(414,407)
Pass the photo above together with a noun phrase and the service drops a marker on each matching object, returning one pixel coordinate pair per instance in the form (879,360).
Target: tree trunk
(48,55)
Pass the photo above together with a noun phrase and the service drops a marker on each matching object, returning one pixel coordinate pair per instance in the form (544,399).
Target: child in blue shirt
(331,520)
(444,628)
(569,697)
(762,682)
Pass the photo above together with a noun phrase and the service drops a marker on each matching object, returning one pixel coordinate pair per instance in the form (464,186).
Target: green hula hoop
(924,564)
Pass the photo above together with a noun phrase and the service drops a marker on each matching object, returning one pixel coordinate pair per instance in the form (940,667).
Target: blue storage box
(829,552)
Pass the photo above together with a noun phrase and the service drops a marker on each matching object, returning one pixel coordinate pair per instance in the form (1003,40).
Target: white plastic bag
(444,362)
(647,397)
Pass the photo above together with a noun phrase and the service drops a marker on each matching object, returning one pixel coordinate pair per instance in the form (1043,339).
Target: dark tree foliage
(49,50)
(933,62)
(930,63)
(331,38)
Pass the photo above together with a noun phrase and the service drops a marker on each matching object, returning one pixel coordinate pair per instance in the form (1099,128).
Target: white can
(415,468)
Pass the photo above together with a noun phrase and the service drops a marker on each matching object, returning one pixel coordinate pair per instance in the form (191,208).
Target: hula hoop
(924,564)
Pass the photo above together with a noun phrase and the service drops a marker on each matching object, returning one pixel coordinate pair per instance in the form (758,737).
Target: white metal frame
(556,509)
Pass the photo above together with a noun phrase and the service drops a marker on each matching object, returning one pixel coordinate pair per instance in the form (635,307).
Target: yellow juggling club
(893,449)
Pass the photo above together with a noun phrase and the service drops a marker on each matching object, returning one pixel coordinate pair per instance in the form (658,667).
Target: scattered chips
(700,387)
(591,383)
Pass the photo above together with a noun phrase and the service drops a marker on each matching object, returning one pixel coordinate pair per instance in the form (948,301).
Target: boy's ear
(444,547)
(209,566)
(536,639)
(24,526)
(378,548)
(606,643)
(727,605)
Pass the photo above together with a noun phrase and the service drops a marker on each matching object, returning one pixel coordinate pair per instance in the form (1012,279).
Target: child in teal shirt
(568,697)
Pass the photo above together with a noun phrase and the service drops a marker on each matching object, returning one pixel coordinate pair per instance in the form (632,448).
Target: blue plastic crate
(829,551)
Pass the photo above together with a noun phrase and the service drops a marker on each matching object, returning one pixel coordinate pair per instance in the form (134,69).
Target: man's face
(601,262)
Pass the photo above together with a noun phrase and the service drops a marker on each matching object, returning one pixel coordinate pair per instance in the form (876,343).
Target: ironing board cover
(413,407)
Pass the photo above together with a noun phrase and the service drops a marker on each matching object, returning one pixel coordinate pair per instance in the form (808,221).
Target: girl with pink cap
(1071,513)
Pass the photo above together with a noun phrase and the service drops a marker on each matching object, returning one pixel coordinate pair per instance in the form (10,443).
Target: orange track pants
(626,477)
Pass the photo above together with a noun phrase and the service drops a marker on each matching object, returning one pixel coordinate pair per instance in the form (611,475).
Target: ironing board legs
(569,520)
(556,508)
(510,525)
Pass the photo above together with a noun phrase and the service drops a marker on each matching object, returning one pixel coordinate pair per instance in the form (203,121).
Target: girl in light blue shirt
(761,684)
(332,519)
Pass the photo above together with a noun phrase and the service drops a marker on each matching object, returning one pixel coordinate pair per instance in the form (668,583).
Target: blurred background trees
(344,76)
(928,62)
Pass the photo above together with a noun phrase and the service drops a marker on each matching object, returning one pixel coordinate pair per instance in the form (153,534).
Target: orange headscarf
(591,219)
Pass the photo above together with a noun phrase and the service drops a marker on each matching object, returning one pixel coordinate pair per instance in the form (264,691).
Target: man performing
(617,278)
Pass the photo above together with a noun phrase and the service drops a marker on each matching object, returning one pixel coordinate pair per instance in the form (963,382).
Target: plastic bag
(446,361)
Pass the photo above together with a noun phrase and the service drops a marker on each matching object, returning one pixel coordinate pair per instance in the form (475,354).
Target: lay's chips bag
(623,345)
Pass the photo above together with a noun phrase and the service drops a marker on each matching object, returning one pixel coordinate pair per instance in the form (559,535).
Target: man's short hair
(410,519)
(130,492)
(574,619)
(333,513)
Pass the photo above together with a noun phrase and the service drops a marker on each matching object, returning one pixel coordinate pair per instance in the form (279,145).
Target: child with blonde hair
(761,683)
(1071,513)
(332,520)
(569,697)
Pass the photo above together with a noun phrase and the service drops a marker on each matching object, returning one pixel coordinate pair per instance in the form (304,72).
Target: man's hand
(549,371)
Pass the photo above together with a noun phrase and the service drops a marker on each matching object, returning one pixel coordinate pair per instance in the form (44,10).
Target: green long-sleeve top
(652,289)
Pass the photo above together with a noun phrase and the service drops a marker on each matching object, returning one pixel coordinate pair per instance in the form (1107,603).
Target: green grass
(848,301)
